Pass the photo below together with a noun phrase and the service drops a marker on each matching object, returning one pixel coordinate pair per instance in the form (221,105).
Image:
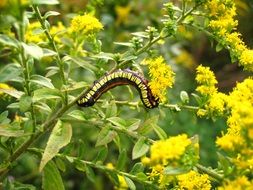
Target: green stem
(24,63)
(170,106)
(210,172)
(54,47)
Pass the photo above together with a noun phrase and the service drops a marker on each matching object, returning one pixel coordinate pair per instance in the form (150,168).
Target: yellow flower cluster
(85,25)
(193,181)
(206,80)
(161,76)
(223,24)
(31,36)
(216,101)
(169,152)
(240,183)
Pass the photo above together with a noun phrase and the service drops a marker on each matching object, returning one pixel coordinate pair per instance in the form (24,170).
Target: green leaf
(25,103)
(133,124)
(130,183)
(59,137)
(43,81)
(105,56)
(10,72)
(121,160)
(141,34)
(12,92)
(9,131)
(60,164)
(142,176)
(8,41)
(111,110)
(45,2)
(148,124)
(90,173)
(174,171)
(137,168)
(184,97)
(160,132)
(77,114)
(51,13)
(105,136)
(140,148)
(127,44)
(117,121)
(102,155)
(46,93)
(51,178)
(33,50)
(4,118)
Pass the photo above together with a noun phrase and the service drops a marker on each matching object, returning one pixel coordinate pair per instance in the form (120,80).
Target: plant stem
(170,106)
(54,47)
(24,63)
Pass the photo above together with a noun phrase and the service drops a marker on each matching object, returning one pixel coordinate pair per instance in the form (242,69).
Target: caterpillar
(118,78)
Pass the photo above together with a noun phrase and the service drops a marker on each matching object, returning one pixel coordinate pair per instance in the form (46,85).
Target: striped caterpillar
(118,78)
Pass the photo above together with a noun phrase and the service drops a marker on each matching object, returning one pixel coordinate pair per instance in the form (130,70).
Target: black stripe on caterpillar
(118,78)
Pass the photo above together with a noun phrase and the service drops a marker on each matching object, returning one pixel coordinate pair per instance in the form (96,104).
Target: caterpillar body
(118,78)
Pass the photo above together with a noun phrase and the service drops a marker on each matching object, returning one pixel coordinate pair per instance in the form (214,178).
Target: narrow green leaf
(124,44)
(102,155)
(51,13)
(10,72)
(46,93)
(33,50)
(141,34)
(25,103)
(111,110)
(130,183)
(4,118)
(121,160)
(133,124)
(148,124)
(9,131)
(174,171)
(43,81)
(45,2)
(51,178)
(160,132)
(59,137)
(90,173)
(140,148)
(60,164)
(117,121)
(105,136)
(8,41)
(12,92)
(137,168)
(77,114)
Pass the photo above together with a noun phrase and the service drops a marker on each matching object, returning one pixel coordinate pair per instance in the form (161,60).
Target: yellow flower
(85,25)
(230,141)
(3,87)
(194,181)
(31,36)
(57,31)
(207,81)
(164,151)
(241,183)
(216,104)
(246,59)
(122,14)
(161,76)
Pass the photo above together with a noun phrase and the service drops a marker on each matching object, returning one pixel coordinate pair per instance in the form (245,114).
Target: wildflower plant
(51,56)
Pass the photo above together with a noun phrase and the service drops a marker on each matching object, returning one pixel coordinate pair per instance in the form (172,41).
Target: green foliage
(48,142)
